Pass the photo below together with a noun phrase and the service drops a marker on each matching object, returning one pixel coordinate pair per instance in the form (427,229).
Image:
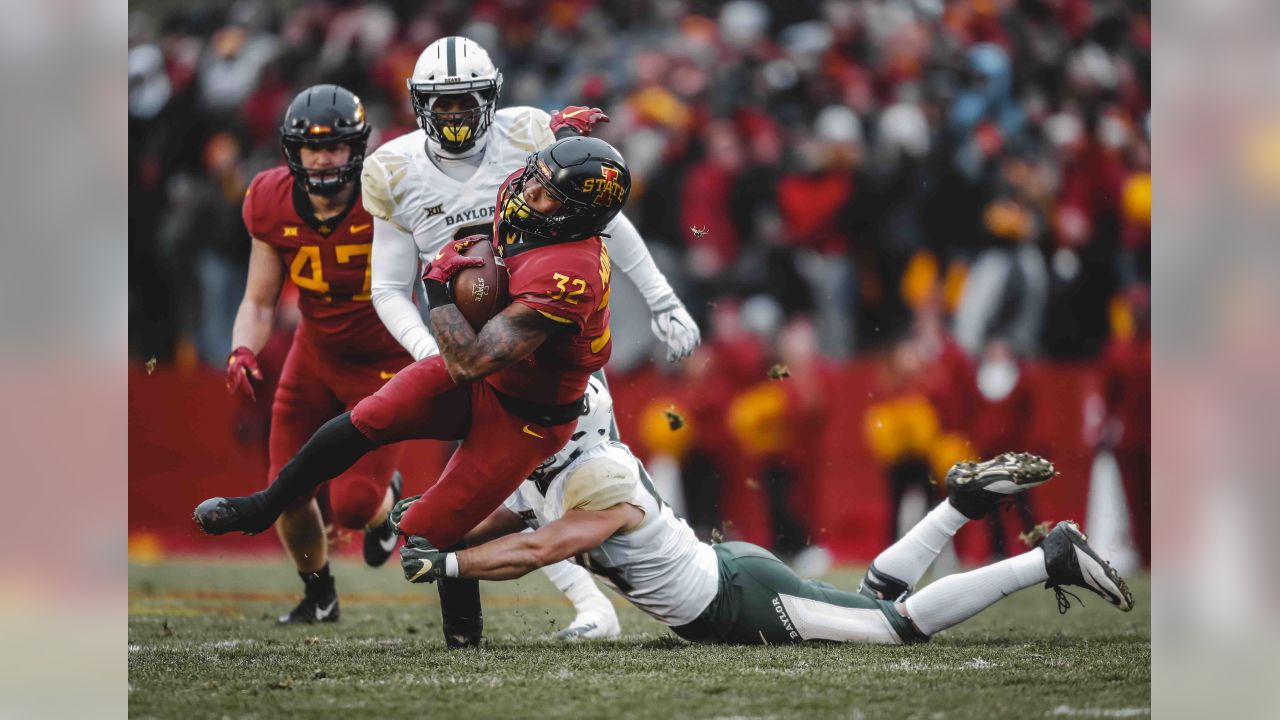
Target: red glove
(450,260)
(240,366)
(581,119)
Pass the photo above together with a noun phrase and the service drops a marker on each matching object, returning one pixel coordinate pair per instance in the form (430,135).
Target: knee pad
(372,416)
(879,586)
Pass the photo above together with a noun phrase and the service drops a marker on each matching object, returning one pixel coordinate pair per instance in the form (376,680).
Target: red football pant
(498,451)
(313,389)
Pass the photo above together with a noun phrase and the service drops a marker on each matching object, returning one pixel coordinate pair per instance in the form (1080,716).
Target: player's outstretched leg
(973,490)
(1070,561)
(334,448)
(380,542)
(1064,558)
(595,619)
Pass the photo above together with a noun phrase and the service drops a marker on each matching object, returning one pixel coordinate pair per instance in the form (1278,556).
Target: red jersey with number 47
(328,260)
(567,283)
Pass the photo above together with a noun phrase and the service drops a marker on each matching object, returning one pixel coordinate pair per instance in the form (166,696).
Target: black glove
(420,560)
(397,512)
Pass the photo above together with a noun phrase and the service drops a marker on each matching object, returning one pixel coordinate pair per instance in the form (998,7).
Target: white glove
(677,330)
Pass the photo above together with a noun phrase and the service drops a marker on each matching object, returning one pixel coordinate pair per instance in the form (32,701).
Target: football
(480,293)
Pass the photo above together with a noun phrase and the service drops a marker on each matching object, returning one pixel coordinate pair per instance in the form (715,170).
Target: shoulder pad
(530,129)
(383,186)
(597,484)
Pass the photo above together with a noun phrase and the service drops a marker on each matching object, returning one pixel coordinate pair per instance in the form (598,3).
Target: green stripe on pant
(762,601)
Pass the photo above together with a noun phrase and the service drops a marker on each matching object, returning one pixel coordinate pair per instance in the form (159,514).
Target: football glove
(398,511)
(677,330)
(450,260)
(241,365)
(581,119)
(421,562)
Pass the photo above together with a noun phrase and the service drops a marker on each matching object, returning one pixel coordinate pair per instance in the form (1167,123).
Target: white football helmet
(592,430)
(450,66)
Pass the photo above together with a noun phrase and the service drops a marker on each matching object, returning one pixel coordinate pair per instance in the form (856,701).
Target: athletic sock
(319,584)
(956,598)
(460,609)
(577,585)
(563,574)
(907,559)
(587,598)
(334,448)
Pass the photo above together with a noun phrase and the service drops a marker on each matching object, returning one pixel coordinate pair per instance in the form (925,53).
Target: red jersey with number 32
(329,262)
(567,283)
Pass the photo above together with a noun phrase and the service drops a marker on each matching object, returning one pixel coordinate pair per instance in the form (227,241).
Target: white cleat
(592,626)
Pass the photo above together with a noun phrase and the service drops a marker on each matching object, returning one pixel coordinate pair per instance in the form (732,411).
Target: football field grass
(203,643)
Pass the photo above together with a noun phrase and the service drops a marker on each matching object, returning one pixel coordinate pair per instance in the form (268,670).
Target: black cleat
(977,488)
(1070,561)
(247,514)
(311,610)
(381,542)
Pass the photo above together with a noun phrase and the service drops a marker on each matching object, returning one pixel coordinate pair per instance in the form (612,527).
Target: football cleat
(380,542)
(247,514)
(311,610)
(1070,561)
(591,626)
(975,488)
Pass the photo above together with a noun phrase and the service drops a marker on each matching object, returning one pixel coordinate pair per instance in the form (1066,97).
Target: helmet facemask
(573,220)
(455,131)
(325,182)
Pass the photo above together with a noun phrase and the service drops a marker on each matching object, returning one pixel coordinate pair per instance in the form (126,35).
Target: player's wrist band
(438,294)
(451,565)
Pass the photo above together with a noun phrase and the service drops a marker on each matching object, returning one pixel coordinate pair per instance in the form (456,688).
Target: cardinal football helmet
(324,115)
(587,176)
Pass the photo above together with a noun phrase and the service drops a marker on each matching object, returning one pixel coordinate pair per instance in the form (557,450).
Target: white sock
(565,575)
(911,556)
(577,585)
(956,598)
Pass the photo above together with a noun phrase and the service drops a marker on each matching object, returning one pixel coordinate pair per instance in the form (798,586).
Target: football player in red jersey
(306,222)
(511,392)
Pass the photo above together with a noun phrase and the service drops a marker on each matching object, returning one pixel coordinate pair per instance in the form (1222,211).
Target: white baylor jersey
(402,186)
(660,567)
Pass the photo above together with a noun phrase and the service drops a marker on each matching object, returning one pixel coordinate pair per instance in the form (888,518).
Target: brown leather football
(480,293)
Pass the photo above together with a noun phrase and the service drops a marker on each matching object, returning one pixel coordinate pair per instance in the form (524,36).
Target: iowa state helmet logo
(607,188)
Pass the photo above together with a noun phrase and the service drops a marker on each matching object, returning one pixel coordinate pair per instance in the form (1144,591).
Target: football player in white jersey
(593,501)
(440,183)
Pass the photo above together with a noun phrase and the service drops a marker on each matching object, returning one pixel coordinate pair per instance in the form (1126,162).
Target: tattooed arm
(506,339)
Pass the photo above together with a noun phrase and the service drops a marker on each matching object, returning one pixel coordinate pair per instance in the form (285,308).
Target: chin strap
(436,151)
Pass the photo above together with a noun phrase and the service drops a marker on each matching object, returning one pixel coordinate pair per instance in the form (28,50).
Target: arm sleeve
(628,251)
(394,284)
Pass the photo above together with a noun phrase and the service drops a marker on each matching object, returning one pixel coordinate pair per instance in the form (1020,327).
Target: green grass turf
(203,643)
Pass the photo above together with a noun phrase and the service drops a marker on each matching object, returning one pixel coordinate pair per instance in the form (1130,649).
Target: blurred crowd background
(951,195)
